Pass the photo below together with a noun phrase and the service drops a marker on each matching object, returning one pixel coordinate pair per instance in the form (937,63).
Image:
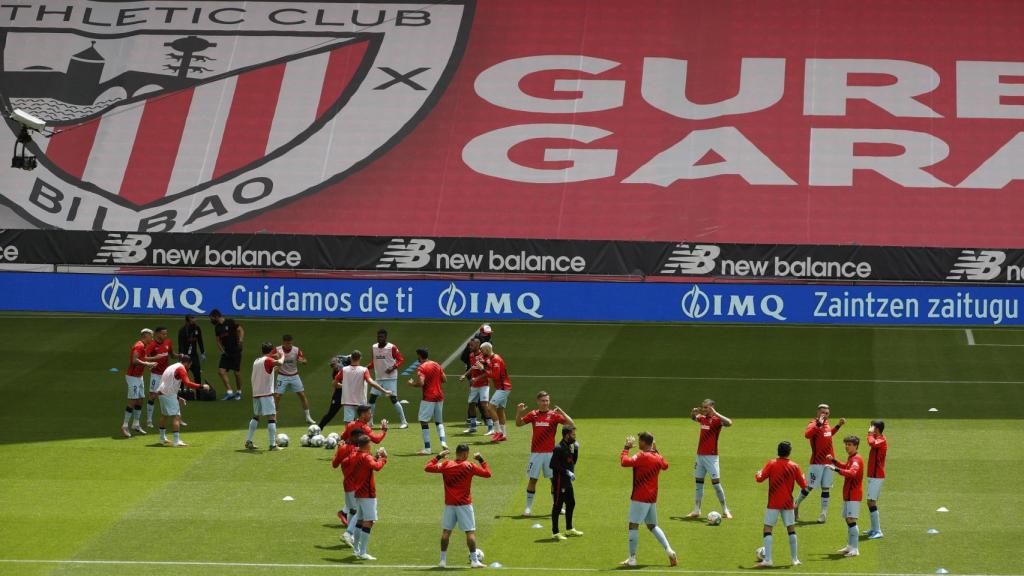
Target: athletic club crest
(183,116)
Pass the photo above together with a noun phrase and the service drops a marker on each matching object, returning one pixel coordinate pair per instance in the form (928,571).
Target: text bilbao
(984,90)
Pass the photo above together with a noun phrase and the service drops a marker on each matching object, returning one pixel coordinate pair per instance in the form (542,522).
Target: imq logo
(116,296)
(698,259)
(123,249)
(697,304)
(454,302)
(411,255)
(977,265)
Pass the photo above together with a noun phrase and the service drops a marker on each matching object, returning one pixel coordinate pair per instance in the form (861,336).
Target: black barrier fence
(512,256)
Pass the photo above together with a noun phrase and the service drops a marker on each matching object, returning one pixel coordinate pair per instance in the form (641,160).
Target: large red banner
(798,122)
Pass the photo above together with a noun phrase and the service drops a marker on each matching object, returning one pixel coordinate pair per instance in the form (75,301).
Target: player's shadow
(335,526)
(755,568)
(516,517)
(335,547)
(832,556)
(547,540)
(349,559)
(686,519)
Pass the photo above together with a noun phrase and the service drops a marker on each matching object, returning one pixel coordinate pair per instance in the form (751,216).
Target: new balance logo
(410,255)
(698,259)
(977,265)
(123,249)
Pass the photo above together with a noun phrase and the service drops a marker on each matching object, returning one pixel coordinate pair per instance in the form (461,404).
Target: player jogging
(349,515)
(385,361)
(852,472)
(545,425)
(173,378)
(361,466)
(498,374)
(431,378)
(133,377)
(711,423)
(782,474)
(263,395)
(352,381)
(158,351)
(876,474)
(819,432)
(458,502)
(563,468)
(647,465)
(479,390)
(288,374)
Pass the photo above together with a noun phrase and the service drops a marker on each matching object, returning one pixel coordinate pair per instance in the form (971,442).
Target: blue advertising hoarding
(594,301)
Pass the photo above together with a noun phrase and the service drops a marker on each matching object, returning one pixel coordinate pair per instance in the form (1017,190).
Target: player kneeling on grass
(171,381)
(852,472)
(647,465)
(263,395)
(782,474)
(361,465)
(458,502)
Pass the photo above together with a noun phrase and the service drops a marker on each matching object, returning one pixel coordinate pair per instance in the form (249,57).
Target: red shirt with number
(545,424)
(138,351)
(876,458)
(710,428)
(432,379)
(458,478)
(782,474)
(647,466)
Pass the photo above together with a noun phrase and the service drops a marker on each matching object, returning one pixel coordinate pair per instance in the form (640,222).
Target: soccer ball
(714,518)
(336,436)
(479,555)
(316,441)
(282,440)
(330,443)
(313,430)
(304,440)
(759,553)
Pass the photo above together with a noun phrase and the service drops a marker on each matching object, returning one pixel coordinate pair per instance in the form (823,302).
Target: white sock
(721,494)
(662,539)
(768,548)
(792,547)
(365,542)
(177,437)
(272,429)
(357,547)
(853,537)
(353,523)
(426,437)
(149,411)
(699,497)
(876,523)
(138,415)
(308,417)
(252,429)
(401,412)
(440,432)
(127,417)
(529,498)
(634,541)
(163,434)
(444,555)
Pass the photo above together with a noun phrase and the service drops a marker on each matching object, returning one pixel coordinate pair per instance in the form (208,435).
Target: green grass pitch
(78,499)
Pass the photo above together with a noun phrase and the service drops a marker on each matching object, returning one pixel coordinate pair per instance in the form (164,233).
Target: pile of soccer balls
(313,438)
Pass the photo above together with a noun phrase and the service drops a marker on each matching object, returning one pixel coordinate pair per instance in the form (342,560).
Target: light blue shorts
(540,463)
(771,517)
(461,516)
(875,488)
(431,411)
(350,501)
(264,406)
(286,383)
(500,398)
(643,512)
(819,476)
(135,391)
(390,384)
(706,465)
(349,413)
(169,405)
(851,509)
(154,382)
(367,508)
(481,394)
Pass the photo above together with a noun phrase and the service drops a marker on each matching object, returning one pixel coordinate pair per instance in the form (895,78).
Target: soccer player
(362,422)
(876,474)
(782,474)
(498,374)
(483,334)
(352,381)
(458,502)
(349,515)
(385,363)
(337,363)
(133,377)
(852,472)
(563,468)
(190,342)
(711,423)
(230,337)
(545,424)
(647,465)
(819,432)
(288,374)
(171,381)
(431,378)
(158,351)
(263,394)
(362,465)
(479,390)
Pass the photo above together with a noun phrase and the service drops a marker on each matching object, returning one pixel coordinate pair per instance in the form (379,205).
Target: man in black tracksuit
(337,363)
(563,465)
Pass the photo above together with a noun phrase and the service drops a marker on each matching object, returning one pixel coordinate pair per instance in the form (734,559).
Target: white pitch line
(748,379)
(458,351)
(970,336)
(362,566)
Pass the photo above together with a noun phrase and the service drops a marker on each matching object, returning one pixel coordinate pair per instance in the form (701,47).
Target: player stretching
(263,395)
(362,422)
(876,474)
(352,381)
(458,502)
(288,374)
(711,423)
(362,465)
(545,424)
(385,361)
(820,434)
(349,515)
(479,389)
(431,378)
(171,382)
(647,465)
(782,474)
(563,465)
(853,478)
(158,351)
(133,377)
(497,373)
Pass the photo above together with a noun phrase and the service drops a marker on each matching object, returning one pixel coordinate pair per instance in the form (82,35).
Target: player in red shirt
(458,502)
(545,425)
(819,433)
(782,474)
(431,378)
(159,351)
(497,373)
(647,464)
(711,423)
(479,389)
(853,492)
(360,468)
(362,422)
(876,474)
(349,515)
(133,377)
